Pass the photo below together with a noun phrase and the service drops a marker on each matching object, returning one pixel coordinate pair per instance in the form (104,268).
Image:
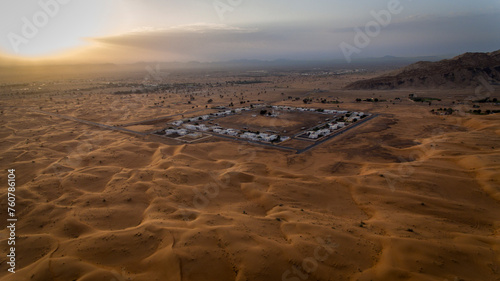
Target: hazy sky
(212,30)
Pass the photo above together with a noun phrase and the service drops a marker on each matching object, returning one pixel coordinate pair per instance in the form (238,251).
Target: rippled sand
(407,196)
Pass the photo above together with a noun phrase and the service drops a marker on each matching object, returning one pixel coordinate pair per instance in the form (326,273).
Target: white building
(232,132)
(324,132)
(250,136)
(190,127)
(352,118)
(177,123)
(267,137)
(203,128)
(170,132)
(334,127)
(313,135)
(284,138)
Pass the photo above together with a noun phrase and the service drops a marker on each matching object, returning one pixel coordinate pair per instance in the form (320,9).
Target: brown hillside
(459,72)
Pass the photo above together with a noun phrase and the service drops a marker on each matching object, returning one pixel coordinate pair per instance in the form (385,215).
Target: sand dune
(408,196)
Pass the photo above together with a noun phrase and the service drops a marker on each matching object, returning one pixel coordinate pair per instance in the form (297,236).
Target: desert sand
(407,196)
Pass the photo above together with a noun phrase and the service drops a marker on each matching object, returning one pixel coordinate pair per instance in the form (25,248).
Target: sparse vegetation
(422,99)
(486,100)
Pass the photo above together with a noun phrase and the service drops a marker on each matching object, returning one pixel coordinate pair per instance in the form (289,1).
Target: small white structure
(232,132)
(190,127)
(267,138)
(324,132)
(177,123)
(352,118)
(314,135)
(250,136)
(170,132)
(203,128)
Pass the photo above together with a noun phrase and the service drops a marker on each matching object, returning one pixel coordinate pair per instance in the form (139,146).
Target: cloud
(259,29)
(421,22)
(411,35)
(194,28)
(429,35)
(196,41)
(210,42)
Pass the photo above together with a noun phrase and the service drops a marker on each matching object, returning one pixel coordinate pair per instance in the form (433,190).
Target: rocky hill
(462,71)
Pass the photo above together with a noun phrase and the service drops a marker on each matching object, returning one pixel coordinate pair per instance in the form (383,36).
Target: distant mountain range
(462,71)
(386,63)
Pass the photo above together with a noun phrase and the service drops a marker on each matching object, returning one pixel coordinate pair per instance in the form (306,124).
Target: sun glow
(52,27)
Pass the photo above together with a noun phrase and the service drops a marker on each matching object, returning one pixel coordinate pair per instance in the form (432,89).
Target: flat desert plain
(409,195)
